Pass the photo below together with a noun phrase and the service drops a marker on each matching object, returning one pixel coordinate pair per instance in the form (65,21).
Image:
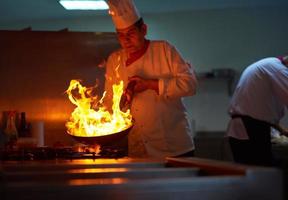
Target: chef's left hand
(143,84)
(284,132)
(280,129)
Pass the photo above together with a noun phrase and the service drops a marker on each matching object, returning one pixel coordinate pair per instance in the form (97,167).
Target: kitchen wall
(36,68)
(210,39)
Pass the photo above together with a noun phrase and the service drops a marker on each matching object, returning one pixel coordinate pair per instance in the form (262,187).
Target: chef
(160,77)
(258,104)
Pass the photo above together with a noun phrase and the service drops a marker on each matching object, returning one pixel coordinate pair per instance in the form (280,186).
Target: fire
(91,118)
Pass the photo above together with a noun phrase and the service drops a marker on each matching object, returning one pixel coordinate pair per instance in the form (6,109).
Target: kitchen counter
(127,178)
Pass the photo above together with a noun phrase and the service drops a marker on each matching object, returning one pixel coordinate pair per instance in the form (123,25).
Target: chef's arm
(183,81)
(279,85)
(182,84)
(143,84)
(154,85)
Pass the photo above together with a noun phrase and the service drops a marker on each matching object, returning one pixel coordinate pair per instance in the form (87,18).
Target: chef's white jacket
(161,121)
(261,93)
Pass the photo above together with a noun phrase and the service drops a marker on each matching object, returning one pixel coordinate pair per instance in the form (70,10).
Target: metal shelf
(225,74)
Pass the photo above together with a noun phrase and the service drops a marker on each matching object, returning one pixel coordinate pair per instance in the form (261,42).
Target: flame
(91,118)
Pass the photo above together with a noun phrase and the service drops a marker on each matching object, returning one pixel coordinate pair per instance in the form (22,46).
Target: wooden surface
(209,167)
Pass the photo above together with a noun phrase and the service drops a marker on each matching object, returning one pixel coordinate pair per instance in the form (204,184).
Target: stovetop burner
(48,153)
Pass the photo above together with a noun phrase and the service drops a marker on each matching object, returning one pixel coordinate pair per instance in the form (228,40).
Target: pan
(104,139)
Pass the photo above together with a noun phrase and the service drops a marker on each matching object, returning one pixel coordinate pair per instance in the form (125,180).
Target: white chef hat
(124,13)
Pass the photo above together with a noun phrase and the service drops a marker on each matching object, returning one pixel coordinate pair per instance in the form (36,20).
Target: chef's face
(132,38)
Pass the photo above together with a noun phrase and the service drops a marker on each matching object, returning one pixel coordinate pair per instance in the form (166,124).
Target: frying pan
(104,139)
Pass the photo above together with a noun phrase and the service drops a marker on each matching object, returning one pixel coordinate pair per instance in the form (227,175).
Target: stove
(67,152)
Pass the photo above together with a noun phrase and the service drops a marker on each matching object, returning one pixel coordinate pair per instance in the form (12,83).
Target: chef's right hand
(127,96)
(125,100)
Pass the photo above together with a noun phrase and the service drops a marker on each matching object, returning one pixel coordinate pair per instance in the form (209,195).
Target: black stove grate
(50,153)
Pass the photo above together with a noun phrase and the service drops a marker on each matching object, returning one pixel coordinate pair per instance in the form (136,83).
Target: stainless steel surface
(113,179)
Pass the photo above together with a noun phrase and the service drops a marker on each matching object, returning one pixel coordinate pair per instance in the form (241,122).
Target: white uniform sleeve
(182,81)
(280,85)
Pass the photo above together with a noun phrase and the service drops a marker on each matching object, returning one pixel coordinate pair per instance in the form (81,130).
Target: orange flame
(90,118)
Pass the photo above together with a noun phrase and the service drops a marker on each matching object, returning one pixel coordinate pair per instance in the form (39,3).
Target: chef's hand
(125,101)
(282,130)
(142,84)
(127,96)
